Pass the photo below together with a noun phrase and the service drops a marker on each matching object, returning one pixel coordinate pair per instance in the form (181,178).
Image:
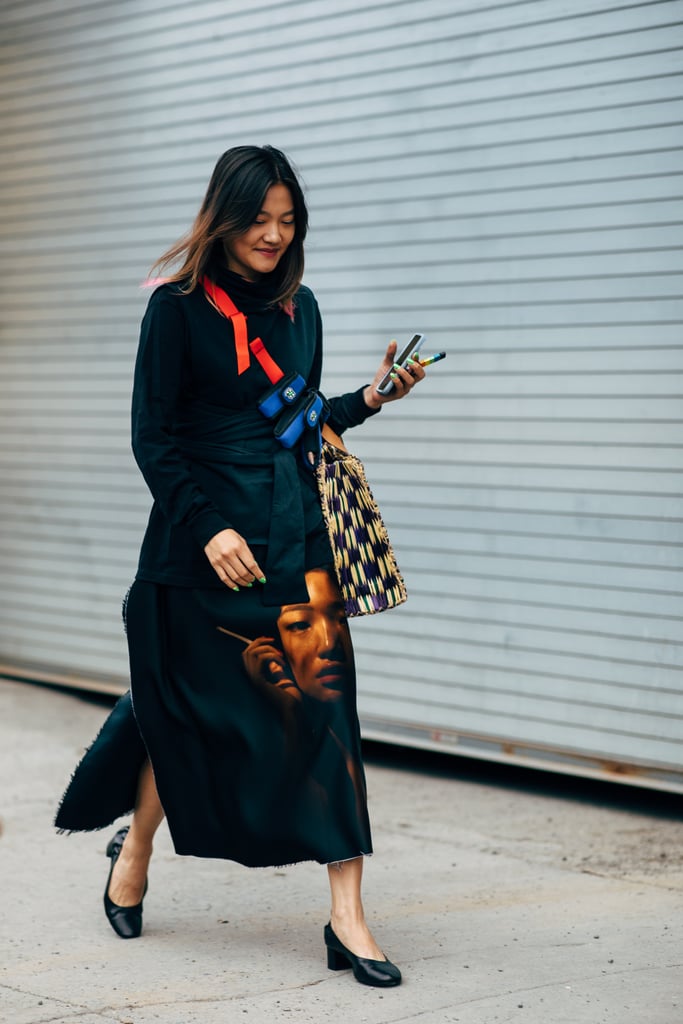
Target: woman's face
(316,640)
(259,250)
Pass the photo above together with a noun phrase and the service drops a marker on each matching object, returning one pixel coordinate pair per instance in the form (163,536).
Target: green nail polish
(396,366)
(235,588)
(249,584)
(262,579)
(393,376)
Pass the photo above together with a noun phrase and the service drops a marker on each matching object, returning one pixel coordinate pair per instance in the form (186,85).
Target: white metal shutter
(505,178)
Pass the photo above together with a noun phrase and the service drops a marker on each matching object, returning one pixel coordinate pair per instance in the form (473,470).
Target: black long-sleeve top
(207,454)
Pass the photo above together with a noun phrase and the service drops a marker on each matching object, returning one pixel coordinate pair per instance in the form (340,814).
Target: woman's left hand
(404,379)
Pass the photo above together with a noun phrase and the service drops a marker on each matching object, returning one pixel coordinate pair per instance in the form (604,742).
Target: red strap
(220,298)
(227,307)
(239,323)
(268,364)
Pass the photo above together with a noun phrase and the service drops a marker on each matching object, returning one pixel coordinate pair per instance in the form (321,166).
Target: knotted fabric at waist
(215,437)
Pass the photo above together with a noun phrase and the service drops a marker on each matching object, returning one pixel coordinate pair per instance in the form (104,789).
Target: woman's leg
(347,917)
(130,870)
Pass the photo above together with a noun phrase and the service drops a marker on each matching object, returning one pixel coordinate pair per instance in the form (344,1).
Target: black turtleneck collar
(248,296)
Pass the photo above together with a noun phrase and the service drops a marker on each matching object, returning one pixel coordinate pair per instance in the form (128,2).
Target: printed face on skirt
(316,640)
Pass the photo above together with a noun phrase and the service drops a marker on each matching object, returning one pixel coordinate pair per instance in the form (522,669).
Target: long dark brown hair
(232,203)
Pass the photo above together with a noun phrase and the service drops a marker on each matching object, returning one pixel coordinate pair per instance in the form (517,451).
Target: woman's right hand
(266,666)
(231,557)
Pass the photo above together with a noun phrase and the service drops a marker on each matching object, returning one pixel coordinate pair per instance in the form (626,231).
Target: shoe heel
(116,842)
(336,961)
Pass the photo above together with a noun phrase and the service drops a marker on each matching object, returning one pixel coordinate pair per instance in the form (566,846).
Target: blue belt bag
(302,421)
(282,394)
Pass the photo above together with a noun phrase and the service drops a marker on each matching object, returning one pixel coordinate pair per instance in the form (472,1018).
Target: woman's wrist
(371,398)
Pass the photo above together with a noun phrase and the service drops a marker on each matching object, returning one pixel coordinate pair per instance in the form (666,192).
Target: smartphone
(386,385)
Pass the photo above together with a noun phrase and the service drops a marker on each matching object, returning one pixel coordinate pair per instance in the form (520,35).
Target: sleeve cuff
(359,407)
(206,525)
(350,410)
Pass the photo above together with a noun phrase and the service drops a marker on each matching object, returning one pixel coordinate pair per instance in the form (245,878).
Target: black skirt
(248,716)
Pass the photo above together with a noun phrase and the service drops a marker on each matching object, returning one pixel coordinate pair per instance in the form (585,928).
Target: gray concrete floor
(504,897)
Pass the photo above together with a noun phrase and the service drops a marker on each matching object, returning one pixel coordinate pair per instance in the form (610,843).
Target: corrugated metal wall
(505,177)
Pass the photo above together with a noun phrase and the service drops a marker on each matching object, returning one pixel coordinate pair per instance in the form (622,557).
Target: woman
(233,745)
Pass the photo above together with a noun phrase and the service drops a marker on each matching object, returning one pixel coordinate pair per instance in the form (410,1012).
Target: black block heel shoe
(126,921)
(380,973)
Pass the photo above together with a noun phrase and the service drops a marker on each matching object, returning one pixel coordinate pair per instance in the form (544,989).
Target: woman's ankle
(348,917)
(137,847)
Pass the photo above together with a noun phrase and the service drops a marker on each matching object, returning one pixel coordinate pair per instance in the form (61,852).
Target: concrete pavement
(503,896)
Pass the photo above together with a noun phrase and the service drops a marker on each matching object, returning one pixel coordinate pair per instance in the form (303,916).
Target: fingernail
(394,376)
(411,362)
(396,366)
(249,584)
(235,588)
(262,579)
